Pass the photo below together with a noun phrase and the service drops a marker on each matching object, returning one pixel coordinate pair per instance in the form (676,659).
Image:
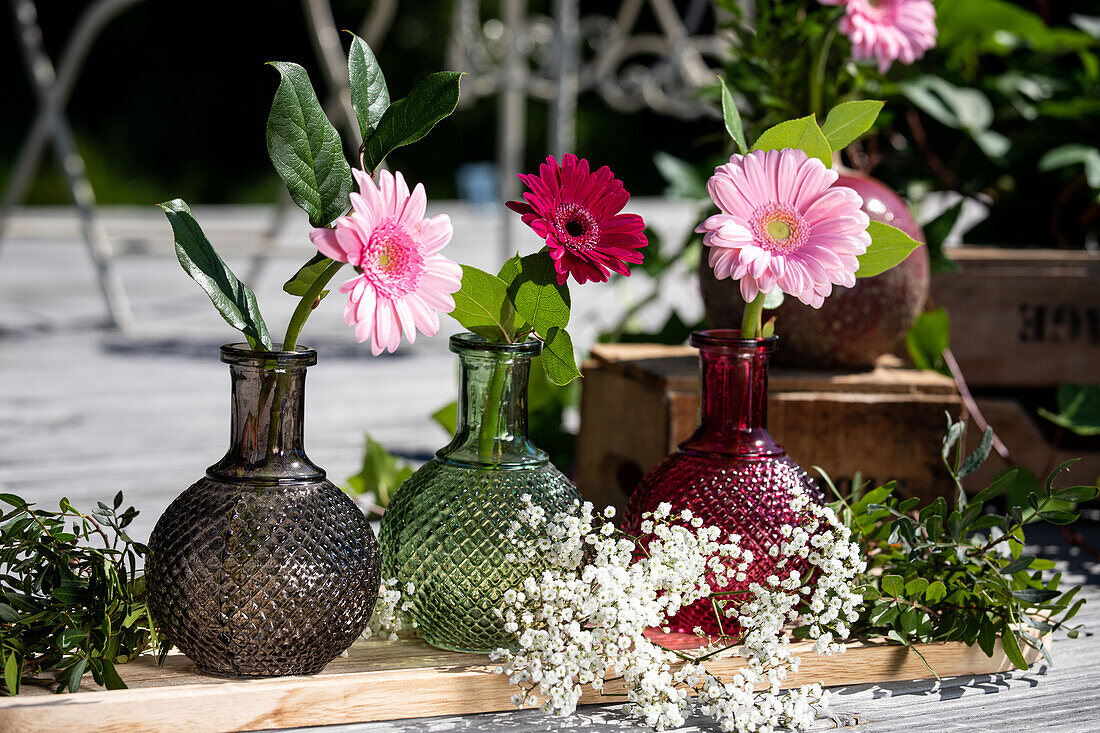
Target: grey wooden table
(85,412)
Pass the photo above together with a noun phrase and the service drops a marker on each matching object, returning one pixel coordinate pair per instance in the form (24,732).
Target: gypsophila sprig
(594,615)
(391,611)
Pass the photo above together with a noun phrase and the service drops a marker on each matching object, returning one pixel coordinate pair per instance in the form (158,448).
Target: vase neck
(266,418)
(733,399)
(491,428)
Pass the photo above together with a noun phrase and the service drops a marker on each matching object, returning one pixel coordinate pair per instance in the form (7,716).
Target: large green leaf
(482,305)
(889,247)
(369,95)
(732,119)
(803,134)
(307,274)
(538,298)
(234,300)
(847,121)
(928,338)
(1078,409)
(412,117)
(558,359)
(305,148)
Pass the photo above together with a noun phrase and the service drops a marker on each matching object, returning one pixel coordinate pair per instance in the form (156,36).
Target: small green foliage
(305,148)
(482,306)
(848,121)
(382,473)
(1078,409)
(958,573)
(928,338)
(306,276)
(73,599)
(370,98)
(889,247)
(412,117)
(802,133)
(234,300)
(732,119)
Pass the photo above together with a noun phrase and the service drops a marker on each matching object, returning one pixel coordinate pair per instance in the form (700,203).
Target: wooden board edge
(217,706)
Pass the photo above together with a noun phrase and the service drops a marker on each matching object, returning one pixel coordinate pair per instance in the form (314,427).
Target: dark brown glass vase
(263,568)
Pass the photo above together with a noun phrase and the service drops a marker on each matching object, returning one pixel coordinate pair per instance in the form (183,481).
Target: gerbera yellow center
(778,228)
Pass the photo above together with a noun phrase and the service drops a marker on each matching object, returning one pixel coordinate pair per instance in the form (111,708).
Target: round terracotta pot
(855,325)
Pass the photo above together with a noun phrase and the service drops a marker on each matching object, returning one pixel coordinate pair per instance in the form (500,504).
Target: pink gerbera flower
(785,224)
(888,30)
(403,283)
(577,213)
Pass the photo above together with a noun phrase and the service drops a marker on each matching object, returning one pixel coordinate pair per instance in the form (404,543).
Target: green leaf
(847,121)
(111,678)
(8,614)
(381,474)
(1077,494)
(916,587)
(1011,646)
(558,359)
(482,305)
(1059,517)
(12,670)
(1001,482)
(974,461)
(683,179)
(538,298)
(928,338)
(234,300)
(1078,409)
(412,117)
(1035,596)
(935,235)
(803,134)
(987,636)
(369,96)
(889,247)
(305,148)
(936,591)
(892,585)
(447,417)
(1023,562)
(76,673)
(307,274)
(732,119)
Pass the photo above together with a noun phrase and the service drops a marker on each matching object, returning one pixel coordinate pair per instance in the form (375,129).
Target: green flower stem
(305,305)
(490,418)
(817,71)
(750,321)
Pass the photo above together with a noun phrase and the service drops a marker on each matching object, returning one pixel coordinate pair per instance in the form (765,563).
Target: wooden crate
(1023,318)
(640,400)
(381,680)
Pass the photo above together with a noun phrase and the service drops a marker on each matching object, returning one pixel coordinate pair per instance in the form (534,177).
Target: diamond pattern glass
(263,568)
(443,530)
(729,472)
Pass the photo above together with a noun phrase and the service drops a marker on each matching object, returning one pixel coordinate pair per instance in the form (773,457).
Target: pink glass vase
(729,472)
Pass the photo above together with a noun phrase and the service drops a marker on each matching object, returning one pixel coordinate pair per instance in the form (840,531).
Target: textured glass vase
(443,530)
(729,472)
(263,568)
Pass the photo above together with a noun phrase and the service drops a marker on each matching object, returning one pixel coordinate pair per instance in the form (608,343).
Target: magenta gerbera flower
(888,30)
(577,213)
(785,224)
(403,283)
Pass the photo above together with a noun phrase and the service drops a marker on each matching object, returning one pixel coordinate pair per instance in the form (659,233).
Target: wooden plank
(381,680)
(1023,318)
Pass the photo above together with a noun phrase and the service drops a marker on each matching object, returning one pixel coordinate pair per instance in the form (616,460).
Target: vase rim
(243,354)
(730,338)
(462,343)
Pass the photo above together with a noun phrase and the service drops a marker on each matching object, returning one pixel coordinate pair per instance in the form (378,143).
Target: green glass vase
(443,530)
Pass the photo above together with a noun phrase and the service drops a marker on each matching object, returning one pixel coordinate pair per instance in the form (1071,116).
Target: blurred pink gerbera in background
(403,283)
(577,213)
(888,30)
(785,224)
